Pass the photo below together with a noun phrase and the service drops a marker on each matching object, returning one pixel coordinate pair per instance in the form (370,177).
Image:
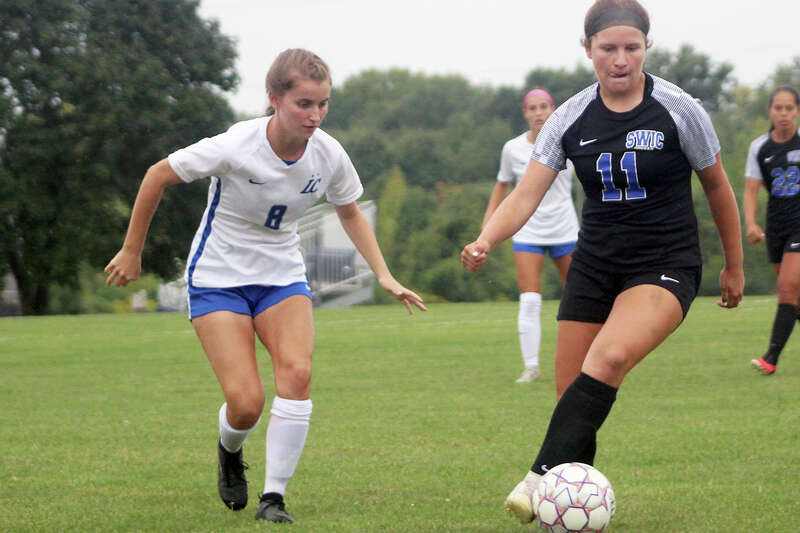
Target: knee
(299,373)
(295,376)
(613,361)
(245,407)
(788,291)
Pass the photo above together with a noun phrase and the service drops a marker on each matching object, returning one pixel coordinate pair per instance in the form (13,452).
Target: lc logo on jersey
(311,186)
(644,140)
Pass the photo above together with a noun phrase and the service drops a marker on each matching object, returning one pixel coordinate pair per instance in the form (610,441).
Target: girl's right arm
(754,232)
(127,264)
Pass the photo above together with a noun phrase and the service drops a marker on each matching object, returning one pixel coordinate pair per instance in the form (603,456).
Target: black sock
(571,435)
(781,329)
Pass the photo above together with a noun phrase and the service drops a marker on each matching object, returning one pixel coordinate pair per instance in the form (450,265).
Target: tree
(390,207)
(434,128)
(693,72)
(474,156)
(506,104)
(560,83)
(787,75)
(368,151)
(396,99)
(450,223)
(94,91)
(416,153)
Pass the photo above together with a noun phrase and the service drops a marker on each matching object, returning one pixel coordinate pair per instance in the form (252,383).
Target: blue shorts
(245,300)
(555,250)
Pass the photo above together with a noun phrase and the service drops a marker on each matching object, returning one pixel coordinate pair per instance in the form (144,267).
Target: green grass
(108,423)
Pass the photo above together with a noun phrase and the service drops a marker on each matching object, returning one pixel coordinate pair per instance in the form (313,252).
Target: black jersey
(635,168)
(777,165)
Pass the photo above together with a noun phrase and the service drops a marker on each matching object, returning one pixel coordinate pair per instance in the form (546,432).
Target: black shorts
(781,244)
(589,293)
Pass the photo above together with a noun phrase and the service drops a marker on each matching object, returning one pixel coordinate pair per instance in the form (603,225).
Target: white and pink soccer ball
(574,497)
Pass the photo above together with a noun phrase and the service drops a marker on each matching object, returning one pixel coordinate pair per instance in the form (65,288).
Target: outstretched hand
(403,295)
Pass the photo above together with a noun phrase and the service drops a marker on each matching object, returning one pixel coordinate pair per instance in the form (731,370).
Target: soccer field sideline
(109,424)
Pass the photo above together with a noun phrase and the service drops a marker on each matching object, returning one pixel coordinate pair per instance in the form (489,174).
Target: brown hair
(607,13)
(292,64)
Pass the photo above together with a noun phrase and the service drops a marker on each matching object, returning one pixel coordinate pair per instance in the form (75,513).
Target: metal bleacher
(337,273)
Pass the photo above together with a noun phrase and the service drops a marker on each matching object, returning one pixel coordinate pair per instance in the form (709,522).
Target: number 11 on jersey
(633,191)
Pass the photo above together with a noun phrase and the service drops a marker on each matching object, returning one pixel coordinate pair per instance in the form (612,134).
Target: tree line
(94,91)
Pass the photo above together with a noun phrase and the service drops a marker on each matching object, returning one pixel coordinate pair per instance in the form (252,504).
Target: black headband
(618,16)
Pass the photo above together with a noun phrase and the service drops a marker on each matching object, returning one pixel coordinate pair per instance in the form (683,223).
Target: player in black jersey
(774,161)
(634,140)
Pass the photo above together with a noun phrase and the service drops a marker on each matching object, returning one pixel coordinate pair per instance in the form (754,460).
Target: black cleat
(272,508)
(230,479)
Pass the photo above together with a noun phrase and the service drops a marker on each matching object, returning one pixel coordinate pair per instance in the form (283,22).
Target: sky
(489,42)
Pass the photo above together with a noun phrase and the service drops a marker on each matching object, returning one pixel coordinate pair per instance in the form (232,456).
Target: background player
(552,229)
(245,272)
(774,161)
(634,140)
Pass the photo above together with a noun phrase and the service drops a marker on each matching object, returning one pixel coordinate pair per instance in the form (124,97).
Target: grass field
(108,423)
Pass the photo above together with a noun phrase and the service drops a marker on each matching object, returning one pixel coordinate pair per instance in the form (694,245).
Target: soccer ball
(574,497)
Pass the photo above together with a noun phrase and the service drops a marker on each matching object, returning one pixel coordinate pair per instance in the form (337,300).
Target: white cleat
(530,373)
(520,501)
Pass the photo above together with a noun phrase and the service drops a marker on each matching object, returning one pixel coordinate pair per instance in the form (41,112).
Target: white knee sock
(530,329)
(286,436)
(232,439)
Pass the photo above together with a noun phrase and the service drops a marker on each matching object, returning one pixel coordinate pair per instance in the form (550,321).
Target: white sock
(286,437)
(530,329)
(232,439)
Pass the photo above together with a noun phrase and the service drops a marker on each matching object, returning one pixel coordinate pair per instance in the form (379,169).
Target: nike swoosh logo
(256,182)
(545,469)
(768,159)
(794,244)
(584,143)
(667,278)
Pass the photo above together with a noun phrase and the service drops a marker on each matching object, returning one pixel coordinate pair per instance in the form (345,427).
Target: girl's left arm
(357,227)
(725,212)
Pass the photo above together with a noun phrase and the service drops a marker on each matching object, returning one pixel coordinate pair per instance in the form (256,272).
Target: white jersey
(554,221)
(248,234)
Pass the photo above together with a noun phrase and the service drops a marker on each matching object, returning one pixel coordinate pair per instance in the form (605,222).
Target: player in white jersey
(245,272)
(634,140)
(553,228)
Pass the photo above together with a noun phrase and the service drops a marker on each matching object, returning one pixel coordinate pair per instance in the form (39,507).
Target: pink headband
(538,92)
